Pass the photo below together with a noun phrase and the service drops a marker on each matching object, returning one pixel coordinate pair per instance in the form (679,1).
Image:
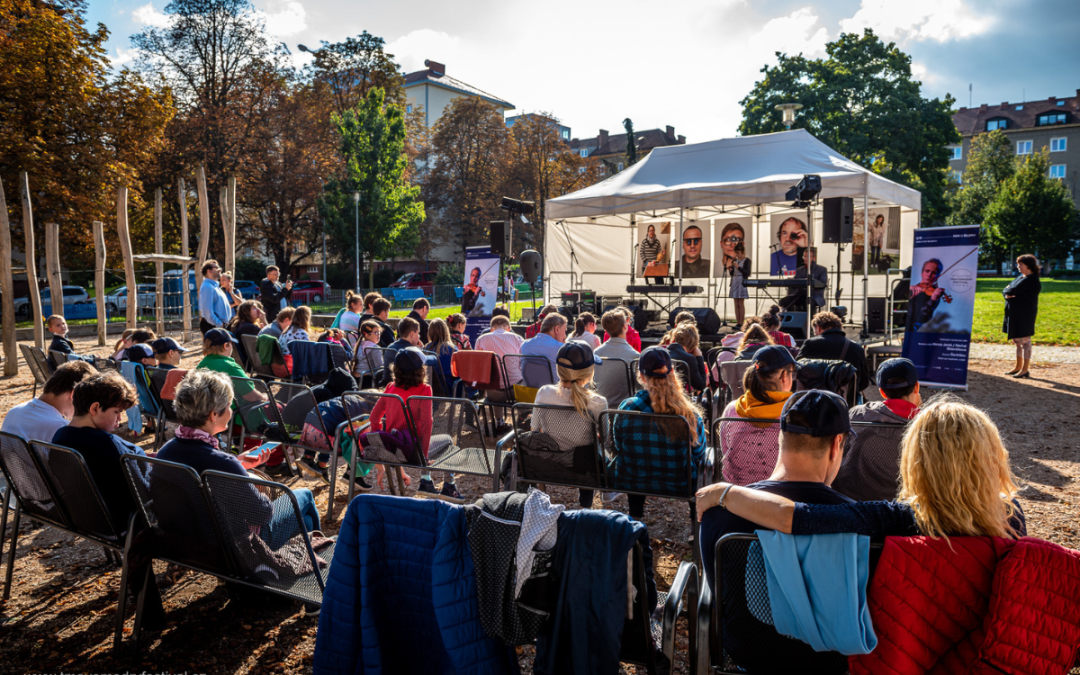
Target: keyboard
(766,283)
(668,290)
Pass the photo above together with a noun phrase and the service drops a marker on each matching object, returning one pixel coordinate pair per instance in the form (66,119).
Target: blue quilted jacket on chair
(401,595)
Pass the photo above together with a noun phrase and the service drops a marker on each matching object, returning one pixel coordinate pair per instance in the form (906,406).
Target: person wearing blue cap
(650,457)
(141,353)
(576,364)
(168,352)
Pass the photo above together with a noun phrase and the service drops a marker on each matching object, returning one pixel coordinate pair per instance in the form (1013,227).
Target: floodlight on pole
(789,113)
(356,202)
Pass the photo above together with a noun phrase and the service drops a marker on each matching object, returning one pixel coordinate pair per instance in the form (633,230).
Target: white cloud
(288,18)
(938,20)
(411,50)
(123,57)
(148,16)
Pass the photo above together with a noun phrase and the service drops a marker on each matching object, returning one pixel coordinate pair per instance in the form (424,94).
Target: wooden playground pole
(7,290)
(228,225)
(125,249)
(159,270)
(230,231)
(52,267)
(31,263)
(204,217)
(99,281)
(185,331)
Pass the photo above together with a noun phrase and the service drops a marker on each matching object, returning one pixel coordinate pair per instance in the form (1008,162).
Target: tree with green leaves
(1034,213)
(631,142)
(991,161)
(372,145)
(862,101)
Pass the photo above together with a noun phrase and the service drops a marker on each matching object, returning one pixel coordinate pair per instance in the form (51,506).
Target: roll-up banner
(480,289)
(937,334)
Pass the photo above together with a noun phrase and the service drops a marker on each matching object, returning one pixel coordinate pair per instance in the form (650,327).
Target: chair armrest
(686,579)
(705,645)
(501,443)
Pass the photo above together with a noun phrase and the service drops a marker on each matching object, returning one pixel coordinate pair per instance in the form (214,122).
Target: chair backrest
(27,480)
(710,361)
(435,376)
(683,372)
(254,404)
(135,374)
(158,378)
(748,448)
(731,372)
(57,359)
(612,379)
(174,507)
(295,401)
(384,406)
(38,368)
(871,467)
(255,364)
(79,496)
(648,453)
(536,371)
(556,445)
(511,372)
(457,441)
(339,358)
(379,360)
(279,557)
(311,360)
(744,638)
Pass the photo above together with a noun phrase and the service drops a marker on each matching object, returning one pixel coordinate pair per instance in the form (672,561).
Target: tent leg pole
(866,258)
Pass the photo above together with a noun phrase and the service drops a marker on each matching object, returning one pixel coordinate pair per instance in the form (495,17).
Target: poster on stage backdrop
(653,248)
(481,287)
(882,236)
(691,255)
(734,242)
(788,234)
(938,332)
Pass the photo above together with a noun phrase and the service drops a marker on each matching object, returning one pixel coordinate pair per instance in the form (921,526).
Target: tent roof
(730,171)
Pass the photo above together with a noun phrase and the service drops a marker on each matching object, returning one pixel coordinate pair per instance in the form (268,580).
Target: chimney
(670,132)
(1004,104)
(603,137)
(437,69)
(1052,99)
(682,140)
(982,107)
(962,108)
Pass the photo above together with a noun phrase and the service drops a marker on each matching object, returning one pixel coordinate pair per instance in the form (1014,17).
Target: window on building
(1061,103)
(408,108)
(991,125)
(1050,118)
(583,153)
(959,177)
(1019,107)
(313,269)
(1057,171)
(620,166)
(565,133)
(957,153)
(1059,144)
(581,169)
(1023,147)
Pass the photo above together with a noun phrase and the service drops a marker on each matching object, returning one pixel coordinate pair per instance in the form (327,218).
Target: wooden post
(230,229)
(7,290)
(159,270)
(99,281)
(204,216)
(52,267)
(125,250)
(185,331)
(31,263)
(226,226)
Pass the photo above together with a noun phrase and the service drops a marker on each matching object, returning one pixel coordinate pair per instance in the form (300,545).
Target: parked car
(248,290)
(309,291)
(424,280)
(72,295)
(118,300)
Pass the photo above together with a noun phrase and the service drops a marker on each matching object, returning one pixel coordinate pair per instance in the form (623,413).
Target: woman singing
(736,266)
(1021,307)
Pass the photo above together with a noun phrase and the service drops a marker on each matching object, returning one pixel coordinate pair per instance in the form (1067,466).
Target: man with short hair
(369,301)
(615,344)
(168,352)
(215,308)
(380,308)
(502,340)
(420,309)
(275,296)
(39,418)
(408,336)
(830,343)
(692,265)
(548,342)
(795,300)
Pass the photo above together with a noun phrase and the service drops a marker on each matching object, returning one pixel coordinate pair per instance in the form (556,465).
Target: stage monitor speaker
(875,315)
(794,324)
(708,321)
(500,237)
(570,312)
(837,218)
(532,265)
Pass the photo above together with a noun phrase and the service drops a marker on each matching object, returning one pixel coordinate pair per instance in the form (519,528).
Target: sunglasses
(693,242)
(732,240)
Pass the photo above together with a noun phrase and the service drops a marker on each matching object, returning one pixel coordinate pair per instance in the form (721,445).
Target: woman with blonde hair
(955,480)
(650,455)
(576,363)
(684,345)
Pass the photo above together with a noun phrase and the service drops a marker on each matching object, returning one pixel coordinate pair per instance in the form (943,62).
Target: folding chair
(457,443)
(536,371)
(871,467)
(56,359)
(39,367)
(373,446)
(613,381)
(379,361)
(731,372)
(644,638)
(539,458)
(166,411)
(312,361)
(747,449)
(255,366)
(436,378)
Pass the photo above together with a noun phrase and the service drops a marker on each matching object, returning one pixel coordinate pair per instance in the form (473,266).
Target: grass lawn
(443,312)
(1059,312)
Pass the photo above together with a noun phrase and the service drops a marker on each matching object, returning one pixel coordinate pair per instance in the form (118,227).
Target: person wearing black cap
(898,383)
(141,353)
(830,342)
(576,364)
(168,352)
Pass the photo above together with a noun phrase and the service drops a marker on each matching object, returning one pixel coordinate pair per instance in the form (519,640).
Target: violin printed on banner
(937,336)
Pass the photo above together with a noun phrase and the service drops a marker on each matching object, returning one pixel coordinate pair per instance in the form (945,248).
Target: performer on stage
(650,251)
(692,264)
(790,237)
(471,292)
(795,300)
(925,296)
(738,269)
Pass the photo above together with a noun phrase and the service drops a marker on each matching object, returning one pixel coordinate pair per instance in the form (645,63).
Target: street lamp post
(789,113)
(356,202)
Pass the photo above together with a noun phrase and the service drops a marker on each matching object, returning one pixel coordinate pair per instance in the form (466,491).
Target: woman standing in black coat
(1021,307)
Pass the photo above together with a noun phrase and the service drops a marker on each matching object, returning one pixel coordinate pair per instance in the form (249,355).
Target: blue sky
(684,63)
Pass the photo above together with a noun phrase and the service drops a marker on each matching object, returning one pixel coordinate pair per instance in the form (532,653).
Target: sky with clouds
(684,63)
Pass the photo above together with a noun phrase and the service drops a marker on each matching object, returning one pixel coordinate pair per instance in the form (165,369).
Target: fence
(438,296)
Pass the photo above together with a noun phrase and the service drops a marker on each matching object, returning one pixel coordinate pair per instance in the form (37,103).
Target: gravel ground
(62,607)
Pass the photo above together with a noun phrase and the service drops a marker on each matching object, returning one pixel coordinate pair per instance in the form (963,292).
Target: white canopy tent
(703,184)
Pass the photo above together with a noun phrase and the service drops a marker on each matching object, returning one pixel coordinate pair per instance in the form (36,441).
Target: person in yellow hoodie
(750,449)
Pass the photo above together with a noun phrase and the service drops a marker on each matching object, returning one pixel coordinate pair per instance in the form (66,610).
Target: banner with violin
(937,334)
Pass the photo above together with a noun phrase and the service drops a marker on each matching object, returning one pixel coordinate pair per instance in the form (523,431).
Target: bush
(385,277)
(450,274)
(248,269)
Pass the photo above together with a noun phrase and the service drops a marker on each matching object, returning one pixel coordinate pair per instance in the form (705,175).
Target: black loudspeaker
(641,321)
(837,220)
(708,321)
(532,265)
(875,315)
(500,237)
(794,324)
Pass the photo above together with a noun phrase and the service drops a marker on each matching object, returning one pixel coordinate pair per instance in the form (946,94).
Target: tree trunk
(52,268)
(99,281)
(7,292)
(125,250)
(31,263)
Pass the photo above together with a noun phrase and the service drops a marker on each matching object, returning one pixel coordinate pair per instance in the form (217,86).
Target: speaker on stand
(794,324)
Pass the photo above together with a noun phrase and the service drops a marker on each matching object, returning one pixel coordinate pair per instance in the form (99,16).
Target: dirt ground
(63,602)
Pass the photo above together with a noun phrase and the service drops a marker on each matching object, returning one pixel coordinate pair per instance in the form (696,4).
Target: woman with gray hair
(203,404)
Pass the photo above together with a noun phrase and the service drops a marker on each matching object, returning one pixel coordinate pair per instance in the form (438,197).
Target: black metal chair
(166,411)
(436,378)
(747,449)
(56,359)
(612,378)
(374,446)
(644,638)
(731,372)
(536,371)
(539,458)
(38,364)
(255,367)
(457,443)
(871,467)
(379,361)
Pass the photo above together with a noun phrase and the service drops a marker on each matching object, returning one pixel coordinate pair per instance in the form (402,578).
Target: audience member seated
(754,338)
(369,339)
(585,330)
(502,341)
(143,354)
(731,341)
(869,473)
(350,319)
(57,325)
(39,418)
(381,307)
(955,480)
(457,323)
(613,386)
(218,345)
(369,306)
(500,310)
(420,309)
(534,328)
(831,343)
(749,449)
(168,352)
(138,336)
(633,338)
(249,320)
(684,347)
(649,457)
(441,345)
(299,330)
(615,344)
(203,405)
(316,437)
(279,325)
(548,342)
(770,321)
(576,364)
(408,336)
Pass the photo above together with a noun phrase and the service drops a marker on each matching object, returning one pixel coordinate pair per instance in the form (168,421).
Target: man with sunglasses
(692,264)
